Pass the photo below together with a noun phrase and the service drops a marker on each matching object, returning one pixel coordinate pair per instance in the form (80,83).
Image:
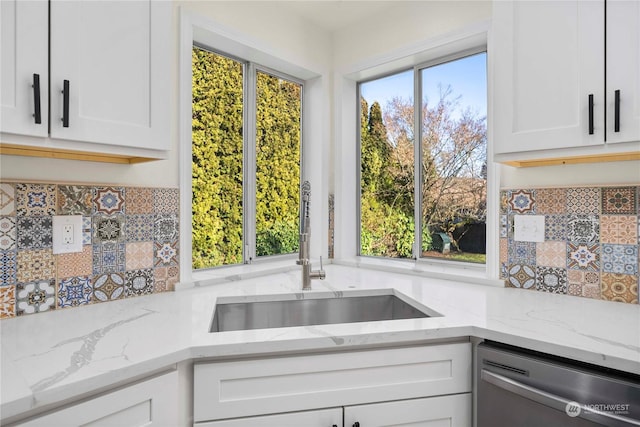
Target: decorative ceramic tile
(86,230)
(109,257)
(504,250)
(166,200)
(35,297)
(521,276)
(74,291)
(583,200)
(108,287)
(35,199)
(8,233)
(504,226)
(34,232)
(166,228)
(140,228)
(139,255)
(8,268)
(166,278)
(7,301)
(139,201)
(38,264)
(108,228)
(522,201)
(522,253)
(7,199)
(108,200)
(549,279)
(584,283)
(76,264)
(551,201)
(555,227)
(620,287)
(551,254)
(583,228)
(621,229)
(74,200)
(583,256)
(166,254)
(622,259)
(619,200)
(504,202)
(138,282)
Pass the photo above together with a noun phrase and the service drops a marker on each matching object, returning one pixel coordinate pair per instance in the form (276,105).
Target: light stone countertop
(52,357)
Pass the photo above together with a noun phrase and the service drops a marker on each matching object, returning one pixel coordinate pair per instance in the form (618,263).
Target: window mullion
(417,162)
(250,164)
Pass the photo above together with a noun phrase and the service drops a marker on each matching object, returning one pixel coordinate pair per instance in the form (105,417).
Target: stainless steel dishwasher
(519,388)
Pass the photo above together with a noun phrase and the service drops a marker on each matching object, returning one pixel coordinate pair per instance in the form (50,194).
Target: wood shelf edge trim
(52,153)
(595,158)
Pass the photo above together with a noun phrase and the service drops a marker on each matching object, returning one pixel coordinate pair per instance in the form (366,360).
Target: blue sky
(467,77)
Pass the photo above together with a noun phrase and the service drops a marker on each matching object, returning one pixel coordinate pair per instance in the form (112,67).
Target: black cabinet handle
(616,119)
(356,424)
(37,114)
(590,114)
(65,104)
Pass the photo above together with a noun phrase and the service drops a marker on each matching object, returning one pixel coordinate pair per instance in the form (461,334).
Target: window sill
(214,276)
(446,270)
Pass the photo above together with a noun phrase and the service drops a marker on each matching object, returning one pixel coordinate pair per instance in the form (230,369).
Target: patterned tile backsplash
(130,245)
(591,242)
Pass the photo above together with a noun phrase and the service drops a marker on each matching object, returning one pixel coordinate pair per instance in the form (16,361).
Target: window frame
(195,27)
(443,56)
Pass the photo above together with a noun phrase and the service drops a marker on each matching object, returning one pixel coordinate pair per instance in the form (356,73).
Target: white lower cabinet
(319,418)
(426,385)
(151,402)
(450,411)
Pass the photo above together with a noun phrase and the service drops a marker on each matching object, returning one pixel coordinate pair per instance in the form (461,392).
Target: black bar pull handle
(65,104)
(590,114)
(37,113)
(616,118)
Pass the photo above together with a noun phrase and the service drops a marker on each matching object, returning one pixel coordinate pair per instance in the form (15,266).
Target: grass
(458,256)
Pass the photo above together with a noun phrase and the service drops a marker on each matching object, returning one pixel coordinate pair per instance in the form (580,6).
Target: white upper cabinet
(111,52)
(549,84)
(113,57)
(623,70)
(24,58)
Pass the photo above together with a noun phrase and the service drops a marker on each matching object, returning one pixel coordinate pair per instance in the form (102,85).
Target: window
(445,173)
(246,148)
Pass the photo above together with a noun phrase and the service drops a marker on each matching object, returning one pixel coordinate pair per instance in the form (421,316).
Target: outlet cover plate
(60,238)
(528,228)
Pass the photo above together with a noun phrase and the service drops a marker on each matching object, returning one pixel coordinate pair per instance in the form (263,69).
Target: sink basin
(302,309)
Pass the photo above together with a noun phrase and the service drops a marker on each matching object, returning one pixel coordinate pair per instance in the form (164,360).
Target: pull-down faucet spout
(303,257)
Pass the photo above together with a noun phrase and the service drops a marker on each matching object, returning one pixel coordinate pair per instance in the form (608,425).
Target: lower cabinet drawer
(320,418)
(284,384)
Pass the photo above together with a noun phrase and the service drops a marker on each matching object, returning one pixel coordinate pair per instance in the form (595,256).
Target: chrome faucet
(303,257)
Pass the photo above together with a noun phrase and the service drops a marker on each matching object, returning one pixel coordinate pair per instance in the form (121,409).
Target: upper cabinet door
(115,56)
(623,70)
(23,54)
(548,58)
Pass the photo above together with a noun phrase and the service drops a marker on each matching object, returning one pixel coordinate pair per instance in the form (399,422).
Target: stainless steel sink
(302,309)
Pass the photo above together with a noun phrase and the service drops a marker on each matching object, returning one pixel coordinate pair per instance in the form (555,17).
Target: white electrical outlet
(528,228)
(67,234)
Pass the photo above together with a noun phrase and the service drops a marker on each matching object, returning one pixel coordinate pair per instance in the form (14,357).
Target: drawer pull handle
(356,424)
(590,114)
(37,114)
(616,120)
(65,104)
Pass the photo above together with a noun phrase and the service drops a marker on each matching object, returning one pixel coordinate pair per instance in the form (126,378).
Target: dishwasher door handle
(554,401)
